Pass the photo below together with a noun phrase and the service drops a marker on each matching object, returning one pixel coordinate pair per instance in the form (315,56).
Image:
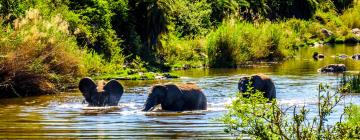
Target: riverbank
(46,51)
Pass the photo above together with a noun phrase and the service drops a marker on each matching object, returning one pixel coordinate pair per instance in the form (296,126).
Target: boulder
(334,68)
(326,32)
(356,57)
(317,55)
(351,40)
(343,56)
(356,31)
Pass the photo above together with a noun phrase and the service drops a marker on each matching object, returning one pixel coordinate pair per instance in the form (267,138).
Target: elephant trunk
(150,104)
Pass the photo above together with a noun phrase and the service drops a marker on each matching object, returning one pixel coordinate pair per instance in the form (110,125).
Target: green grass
(350,83)
(235,43)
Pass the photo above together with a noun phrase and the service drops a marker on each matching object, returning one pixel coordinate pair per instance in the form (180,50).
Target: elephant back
(194,96)
(265,84)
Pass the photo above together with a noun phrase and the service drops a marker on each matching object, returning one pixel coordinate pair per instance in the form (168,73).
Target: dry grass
(39,56)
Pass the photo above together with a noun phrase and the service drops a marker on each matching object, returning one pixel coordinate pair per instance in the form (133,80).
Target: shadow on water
(64,116)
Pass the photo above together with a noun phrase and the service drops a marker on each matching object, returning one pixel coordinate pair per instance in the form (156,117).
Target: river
(63,115)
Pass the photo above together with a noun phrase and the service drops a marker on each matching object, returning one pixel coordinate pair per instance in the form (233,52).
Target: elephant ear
(256,81)
(174,97)
(114,90)
(88,88)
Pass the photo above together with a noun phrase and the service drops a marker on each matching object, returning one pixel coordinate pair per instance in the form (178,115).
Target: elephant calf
(259,82)
(108,95)
(173,97)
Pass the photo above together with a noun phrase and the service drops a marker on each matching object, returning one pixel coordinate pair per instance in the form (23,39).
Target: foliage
(191,18)
(182,53)
(94,28)
(38,56)
(350,83)
(261,119)
(351,17)
(234,43)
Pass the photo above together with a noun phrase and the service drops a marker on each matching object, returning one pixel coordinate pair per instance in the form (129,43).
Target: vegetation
(118,38)
(259,118)
(38,56)
(350,83)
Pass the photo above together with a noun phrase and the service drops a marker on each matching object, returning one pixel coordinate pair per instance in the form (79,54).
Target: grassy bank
(38,56)
(58,42)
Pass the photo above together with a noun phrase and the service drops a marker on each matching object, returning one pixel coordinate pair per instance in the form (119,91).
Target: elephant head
(166,95)
(109,96)
(246,80)
(243,84)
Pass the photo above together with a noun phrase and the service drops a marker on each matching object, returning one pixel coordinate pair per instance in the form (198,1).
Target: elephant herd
(171,97)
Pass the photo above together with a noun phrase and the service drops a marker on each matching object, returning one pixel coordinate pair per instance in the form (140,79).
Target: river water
(64,116)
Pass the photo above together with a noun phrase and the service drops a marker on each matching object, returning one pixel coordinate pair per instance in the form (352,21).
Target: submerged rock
(334,68)
(317,55)
(343,56)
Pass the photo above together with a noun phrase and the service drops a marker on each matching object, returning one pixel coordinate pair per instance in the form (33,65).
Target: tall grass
(350,83)
(182,53)
(351,17)
(38,56)
(235,43)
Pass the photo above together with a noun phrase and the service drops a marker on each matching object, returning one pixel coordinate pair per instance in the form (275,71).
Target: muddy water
(64,115)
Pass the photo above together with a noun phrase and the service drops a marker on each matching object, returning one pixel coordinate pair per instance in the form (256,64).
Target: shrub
(350,83)
(257,117)
(182,53)
(234,43)
(38,56)
(351,17)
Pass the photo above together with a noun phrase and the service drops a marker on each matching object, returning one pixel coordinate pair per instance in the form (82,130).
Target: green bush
(258,118)
(182,53)
(234,43)
(351,17)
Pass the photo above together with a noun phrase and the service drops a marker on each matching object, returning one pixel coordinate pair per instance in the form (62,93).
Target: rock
(160,77)
(316,56)
(167,75)
(342,56)
(356,31)
(351,40)
(318,44)
(356,57)
(326,32)
(335,68)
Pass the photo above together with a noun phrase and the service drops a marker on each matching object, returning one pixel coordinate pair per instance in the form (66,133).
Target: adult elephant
(179,97)
(259,82)
(107,94)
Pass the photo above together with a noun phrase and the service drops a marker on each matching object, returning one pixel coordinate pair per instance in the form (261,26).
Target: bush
(182,53)
(351,17)
(234,43)
(350,83)
(38,56)
(257,117)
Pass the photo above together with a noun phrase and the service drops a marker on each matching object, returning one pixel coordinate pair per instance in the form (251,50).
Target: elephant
(334,68)
(97,96)
(259,82)
(180,97)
